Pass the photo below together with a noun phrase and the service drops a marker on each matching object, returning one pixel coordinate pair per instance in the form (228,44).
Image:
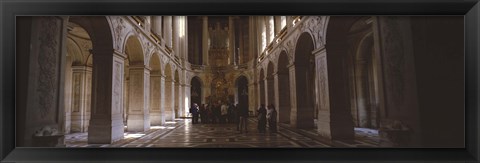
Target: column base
(156,119)
(138,123)
(105,131)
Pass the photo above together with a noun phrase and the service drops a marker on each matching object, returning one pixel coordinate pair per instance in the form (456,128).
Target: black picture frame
(9,9)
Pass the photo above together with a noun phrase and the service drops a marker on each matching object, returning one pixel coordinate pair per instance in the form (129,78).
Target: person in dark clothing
(216,113)
(243,116)
(236,114)
(202,112)
(209,113)
(194,112)
(262,118)
(230,114)
(272,118)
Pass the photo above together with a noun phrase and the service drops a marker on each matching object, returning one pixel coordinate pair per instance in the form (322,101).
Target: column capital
(139,67)
(291,65)
(119,54)
(319,51)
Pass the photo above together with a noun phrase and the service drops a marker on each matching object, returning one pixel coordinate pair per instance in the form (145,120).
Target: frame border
(9,9)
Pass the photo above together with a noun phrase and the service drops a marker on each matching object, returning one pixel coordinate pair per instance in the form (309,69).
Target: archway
(138,118)
(366,100)
(242,91)
(169,93)
(283,88)
(78,79)
(105,124)
(195,91)
(304,117)
(155,90)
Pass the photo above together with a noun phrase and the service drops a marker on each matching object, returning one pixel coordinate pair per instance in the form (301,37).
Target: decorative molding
(119,31)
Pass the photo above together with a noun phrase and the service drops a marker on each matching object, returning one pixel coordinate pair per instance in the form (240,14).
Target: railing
(278,38)
(139,20)
(155,37)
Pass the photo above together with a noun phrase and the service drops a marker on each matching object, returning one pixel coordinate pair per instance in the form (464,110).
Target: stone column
(278,24)
(395,52)
(186,100)
(176,99)
(88,99)
(270,82)
(267,93)
(106,123)
(205,37)
(333,123)
(259,95)
(293,96)
(80,98)
(157,25)
(175,36)
(231,46)
(276,92)
(169,101)
(155,100)
(263,34)
(138,113)
(43,56)
(68,95)
(270,29)
(162,100)
(253,37)
(252,96)
(167,33)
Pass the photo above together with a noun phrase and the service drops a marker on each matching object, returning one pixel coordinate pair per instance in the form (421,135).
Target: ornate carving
(89,91)
(119,30)
(394,56)
(76,92)
(47,62)
(117,86)
(322,68)
(146,90)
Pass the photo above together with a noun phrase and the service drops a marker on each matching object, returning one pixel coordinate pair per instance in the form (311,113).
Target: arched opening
(138,79)
(106,82)
(78,79)
(155,90)
(270,85)
(169,93)
(196,91)
(362,74)
(242,91)
(366,110)
(305,111)
(261,83)
(283,89)
(177,95)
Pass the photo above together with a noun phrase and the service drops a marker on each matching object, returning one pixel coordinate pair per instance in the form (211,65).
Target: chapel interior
(335,81)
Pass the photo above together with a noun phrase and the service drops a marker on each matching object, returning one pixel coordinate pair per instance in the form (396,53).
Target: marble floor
(182,133)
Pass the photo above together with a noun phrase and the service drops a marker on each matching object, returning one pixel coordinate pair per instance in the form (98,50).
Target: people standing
(194,112)
(236,114)
(224,112)
(216,113)
(272,119)
(262,118)
(243,116)
(231,111)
